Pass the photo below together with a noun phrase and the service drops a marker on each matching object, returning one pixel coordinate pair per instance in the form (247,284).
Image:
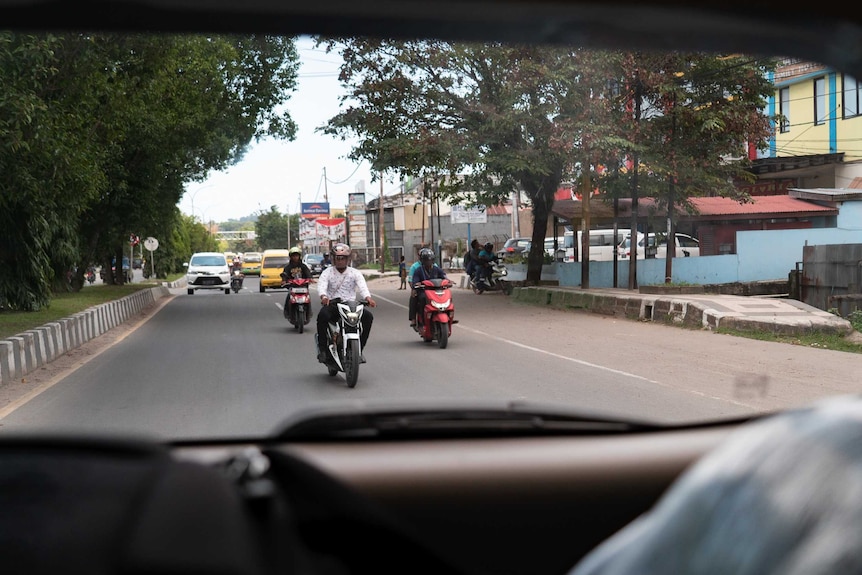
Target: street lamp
(196,193)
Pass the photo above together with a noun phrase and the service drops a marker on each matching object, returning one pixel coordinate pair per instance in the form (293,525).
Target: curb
(690,313)
(30,350)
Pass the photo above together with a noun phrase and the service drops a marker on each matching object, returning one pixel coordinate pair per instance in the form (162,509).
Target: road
(213,365)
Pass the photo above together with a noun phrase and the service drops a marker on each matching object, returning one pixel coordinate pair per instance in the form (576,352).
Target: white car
(686,246)
(207,270)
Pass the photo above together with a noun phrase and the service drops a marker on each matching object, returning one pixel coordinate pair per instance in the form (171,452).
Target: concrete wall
(761,255)
(28,351)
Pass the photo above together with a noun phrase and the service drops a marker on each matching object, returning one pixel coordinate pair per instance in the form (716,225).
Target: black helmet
(426,255)
(489,247)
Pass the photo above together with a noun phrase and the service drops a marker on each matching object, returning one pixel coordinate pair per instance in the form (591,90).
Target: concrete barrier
(30,350)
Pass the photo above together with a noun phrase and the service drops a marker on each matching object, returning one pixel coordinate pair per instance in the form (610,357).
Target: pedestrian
(402,273)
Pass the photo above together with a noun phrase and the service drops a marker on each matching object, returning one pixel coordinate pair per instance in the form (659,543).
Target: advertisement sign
(315,210)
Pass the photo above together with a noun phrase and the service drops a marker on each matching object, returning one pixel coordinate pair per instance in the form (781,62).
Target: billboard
(315,210)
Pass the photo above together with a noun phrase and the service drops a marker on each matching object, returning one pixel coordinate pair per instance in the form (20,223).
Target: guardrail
(30,350)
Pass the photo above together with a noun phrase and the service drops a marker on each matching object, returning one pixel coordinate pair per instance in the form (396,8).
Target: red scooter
(435,321)
(297,306)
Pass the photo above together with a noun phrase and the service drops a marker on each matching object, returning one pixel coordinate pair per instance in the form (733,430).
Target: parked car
(251,263)
(514,247)
(271,265)
(314,263)
(207,270)
(686,246)
(602,245)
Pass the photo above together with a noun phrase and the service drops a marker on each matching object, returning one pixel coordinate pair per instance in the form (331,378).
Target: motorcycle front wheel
(300,318)
(351,363)
(442,334)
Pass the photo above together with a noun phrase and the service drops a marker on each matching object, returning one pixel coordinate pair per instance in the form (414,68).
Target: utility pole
(325,187)
(382,227)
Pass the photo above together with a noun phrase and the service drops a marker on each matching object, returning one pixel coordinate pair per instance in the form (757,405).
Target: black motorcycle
(342,343)
(236,281)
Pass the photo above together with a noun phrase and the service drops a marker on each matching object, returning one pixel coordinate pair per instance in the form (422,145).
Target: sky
(283,174)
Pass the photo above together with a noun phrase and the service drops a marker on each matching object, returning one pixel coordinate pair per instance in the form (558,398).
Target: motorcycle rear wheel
(300,319)
(351,363)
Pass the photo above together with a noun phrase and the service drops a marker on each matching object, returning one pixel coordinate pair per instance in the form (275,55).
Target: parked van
(271,265)
(602,245)
(686,246)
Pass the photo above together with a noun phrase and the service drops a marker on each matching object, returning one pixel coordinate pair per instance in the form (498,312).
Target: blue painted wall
(761,255)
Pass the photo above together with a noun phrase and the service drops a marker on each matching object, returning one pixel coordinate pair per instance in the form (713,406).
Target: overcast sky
(275,173)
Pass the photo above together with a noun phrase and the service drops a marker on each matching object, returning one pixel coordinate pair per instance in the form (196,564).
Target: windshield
(208,261)
(182,143)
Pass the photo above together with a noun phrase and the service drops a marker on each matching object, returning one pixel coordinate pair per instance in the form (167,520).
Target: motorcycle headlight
(442,305)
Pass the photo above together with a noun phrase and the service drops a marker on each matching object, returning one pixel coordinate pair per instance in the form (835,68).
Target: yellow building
(821,110)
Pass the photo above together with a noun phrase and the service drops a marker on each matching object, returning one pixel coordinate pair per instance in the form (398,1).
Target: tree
(271,230)
(101,132)
(497,118)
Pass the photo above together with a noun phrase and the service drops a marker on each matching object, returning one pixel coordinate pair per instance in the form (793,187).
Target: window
(852,88)
(784,108)
(202,261)
(819,100)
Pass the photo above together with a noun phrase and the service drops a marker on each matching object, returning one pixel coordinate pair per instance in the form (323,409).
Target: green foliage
(271,230)
(100,132)
(496,118)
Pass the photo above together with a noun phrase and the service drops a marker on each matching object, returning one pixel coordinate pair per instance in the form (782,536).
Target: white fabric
(782,495)
(334,284)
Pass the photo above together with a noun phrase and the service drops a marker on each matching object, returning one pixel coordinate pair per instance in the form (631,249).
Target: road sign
(152,244)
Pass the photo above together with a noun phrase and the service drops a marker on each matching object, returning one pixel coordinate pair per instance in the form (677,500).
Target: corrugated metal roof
(717,208)
(759,205)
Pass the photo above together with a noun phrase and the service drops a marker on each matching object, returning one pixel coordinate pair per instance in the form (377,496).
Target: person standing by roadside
(402,273)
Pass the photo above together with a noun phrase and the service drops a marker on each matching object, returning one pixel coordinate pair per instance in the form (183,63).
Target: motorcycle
(434,322)
(342,344)
(297,309)
(494,282)
(91,276)
(236,281)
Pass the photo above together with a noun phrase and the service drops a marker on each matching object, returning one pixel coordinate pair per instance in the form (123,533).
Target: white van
(549,246)
(602,245)
(686,246)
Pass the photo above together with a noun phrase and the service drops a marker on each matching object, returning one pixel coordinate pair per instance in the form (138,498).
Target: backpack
(467,258)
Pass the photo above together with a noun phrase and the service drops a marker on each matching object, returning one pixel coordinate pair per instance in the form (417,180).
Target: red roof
(717,208)
(759,205)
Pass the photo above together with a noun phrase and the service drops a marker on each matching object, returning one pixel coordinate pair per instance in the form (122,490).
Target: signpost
(152,244)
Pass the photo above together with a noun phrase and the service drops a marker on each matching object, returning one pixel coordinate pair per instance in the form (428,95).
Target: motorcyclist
(427,270)
(294,269)
(472,257)
(236,266)
(485,260)
(326,262)
(341,281)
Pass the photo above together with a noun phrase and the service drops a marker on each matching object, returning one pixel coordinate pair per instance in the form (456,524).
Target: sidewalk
(709,311)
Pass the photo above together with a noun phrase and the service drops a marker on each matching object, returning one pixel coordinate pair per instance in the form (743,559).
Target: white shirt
(334,284)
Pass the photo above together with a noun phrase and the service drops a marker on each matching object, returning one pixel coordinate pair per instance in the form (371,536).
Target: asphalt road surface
(212,365)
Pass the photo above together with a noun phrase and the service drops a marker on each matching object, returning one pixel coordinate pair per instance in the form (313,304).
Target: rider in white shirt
(343,282)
